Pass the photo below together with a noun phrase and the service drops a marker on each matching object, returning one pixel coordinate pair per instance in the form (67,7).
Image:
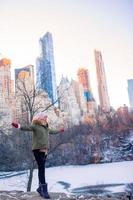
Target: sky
(78,27)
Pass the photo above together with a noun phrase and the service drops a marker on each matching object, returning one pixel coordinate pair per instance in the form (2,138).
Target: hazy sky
(78,27)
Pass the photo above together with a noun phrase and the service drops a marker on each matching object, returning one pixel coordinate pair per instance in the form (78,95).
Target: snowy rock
(20,195)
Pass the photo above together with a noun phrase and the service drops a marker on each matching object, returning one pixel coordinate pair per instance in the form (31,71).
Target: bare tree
(33,101)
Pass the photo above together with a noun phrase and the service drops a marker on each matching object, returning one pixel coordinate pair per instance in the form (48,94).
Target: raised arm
(23,128)
(52,131)
(26,128)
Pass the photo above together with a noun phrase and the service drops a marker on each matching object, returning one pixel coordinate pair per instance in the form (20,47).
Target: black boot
(39,190)
(43,191)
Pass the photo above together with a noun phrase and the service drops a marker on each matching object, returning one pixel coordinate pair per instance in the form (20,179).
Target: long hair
(36,122)
(37,119)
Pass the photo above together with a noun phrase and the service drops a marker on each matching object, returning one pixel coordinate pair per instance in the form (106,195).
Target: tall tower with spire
(102,85)
(46,78)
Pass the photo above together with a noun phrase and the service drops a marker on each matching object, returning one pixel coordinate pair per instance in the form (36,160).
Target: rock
(20,195)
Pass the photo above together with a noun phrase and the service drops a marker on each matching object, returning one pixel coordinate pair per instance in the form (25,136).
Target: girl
(40,146)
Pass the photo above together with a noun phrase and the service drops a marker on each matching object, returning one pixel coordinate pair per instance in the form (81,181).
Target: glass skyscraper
(130,92)
(46,79)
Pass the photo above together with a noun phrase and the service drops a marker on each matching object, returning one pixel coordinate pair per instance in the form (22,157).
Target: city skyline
(78,27)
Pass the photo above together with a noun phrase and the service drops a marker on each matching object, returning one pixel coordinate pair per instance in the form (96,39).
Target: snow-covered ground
(70,178)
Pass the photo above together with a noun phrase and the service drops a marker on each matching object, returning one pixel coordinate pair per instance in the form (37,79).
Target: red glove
(61,130)
(16,125)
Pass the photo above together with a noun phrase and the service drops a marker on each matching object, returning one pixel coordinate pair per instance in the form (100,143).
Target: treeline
(106,138)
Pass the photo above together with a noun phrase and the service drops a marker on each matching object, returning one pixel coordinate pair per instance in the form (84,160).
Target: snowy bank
(18,195)
(94,178)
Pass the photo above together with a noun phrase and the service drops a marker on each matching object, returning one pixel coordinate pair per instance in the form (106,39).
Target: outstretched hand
(16,125)
(61,130)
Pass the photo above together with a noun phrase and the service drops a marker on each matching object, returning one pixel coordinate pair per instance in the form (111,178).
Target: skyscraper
(24,87)
(130,92)
(83,77)
(84,80)
(68,102)
(25,73)
(46,78)
(102,85)
(5,78)
(6,91)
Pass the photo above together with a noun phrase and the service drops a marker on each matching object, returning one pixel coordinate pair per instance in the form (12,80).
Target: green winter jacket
(40,135)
